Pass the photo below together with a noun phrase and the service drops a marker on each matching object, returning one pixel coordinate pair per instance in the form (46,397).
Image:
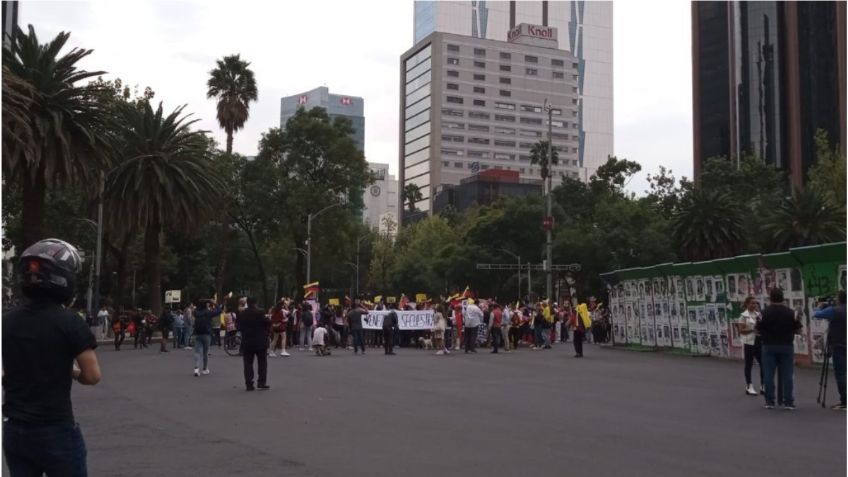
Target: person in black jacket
(206,312)
(777,331)
(166,322)
(255,328)
(390,322)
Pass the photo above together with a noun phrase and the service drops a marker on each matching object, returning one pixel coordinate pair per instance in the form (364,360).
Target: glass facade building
(349,107)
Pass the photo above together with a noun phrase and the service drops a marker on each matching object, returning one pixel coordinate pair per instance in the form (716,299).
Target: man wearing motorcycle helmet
(45,346)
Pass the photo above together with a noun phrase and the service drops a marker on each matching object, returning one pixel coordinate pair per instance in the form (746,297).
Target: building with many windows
(381,200)
(765,77)
(343,106)
(583,27)
(471,104)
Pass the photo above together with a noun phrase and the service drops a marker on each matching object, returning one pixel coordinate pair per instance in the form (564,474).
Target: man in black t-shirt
(354,321)
(777,331)
(45,347)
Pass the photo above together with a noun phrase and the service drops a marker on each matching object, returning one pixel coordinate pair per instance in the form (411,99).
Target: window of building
(505,118)
(452,138)
(453,112)
(556,62)
(573,101)
(479,64)
(556,112)
(505,80)
(575,65)
(480,90)
(451,152)
(502,143)
(480,102)
(574,89)
(478,128)
(454,48)
(452,125)
(529,133)
(505,131)
(453,61)
(556,123)
(458,165)
(484,166)
(527,108)
(508,106)
(505,56)
(574,126)
(558,75)
(454,99)
(453,74)
(531,71)
(504,157)
(479,77)
(525,145)
(531,59)
(453,86)
(478,115)
(506,68)
(531,120)
(521,170)
(479,140)
(524,158)
(445,163)
(574,77)
(505,93)
(479,154)
(559,136)
(479,52)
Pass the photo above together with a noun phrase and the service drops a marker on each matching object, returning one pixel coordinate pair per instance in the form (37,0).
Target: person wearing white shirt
(746,324)
(473,317)
(103,321)
(507,314)
(319,340)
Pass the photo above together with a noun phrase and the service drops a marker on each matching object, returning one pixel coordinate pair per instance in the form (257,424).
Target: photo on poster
(708,286)
(704,341)
(743,287)
(796,280)
(674,310)
(718,282)
(641,289)
(684,336)
(725,349)
(843,277)
(711,314)
(699,289)
(731,287)
(665,309)
(693,318)
(770,280)
(658,310)
(702,314)
(664,286)
(715,345)
(735,336)
(721,311)
(679,287)
(690,289)
(819,346)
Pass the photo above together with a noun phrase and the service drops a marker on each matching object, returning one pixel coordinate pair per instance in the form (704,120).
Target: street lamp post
(358,240)
(519,270)
(309,238)
(355,267)
(99,253)
(548,184)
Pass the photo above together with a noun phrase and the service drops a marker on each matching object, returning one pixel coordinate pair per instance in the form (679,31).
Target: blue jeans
(839,370)
(779,358)
(56,449)
(357,340)
(201,351)
(538,340)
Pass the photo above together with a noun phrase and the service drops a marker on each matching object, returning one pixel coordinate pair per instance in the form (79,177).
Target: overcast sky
(348,46)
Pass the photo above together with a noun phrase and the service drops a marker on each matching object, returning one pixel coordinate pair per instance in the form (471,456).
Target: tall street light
(309,219)
(358,240)
(519,271)
(355,268)
(548,219)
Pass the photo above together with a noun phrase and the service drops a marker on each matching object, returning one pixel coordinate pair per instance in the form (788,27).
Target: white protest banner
(407,320)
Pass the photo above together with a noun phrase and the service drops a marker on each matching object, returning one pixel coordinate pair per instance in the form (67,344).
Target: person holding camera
(777,330)
(45,347)
(835,316)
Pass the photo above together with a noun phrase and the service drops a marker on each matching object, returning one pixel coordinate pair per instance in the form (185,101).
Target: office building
(471,104)
(10,20)
(381,200)
(343,106)
(583,28)
(765,77)
(485,188)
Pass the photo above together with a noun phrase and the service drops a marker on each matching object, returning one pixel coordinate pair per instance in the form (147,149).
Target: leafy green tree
(709,225)
(164,180)
(233,85)
(806,218)
(69,140)
(614,174)
(666,191)
(411,194)
(539,156)
(827,176)
(18,96)
(415,247)
(381,266)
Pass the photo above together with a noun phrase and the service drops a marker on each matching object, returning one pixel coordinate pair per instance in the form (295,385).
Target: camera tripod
(822,398)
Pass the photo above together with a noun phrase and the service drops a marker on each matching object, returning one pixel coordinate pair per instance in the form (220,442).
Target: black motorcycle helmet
(48,270)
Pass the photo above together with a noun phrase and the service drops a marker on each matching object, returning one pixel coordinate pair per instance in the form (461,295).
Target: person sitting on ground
(319,340)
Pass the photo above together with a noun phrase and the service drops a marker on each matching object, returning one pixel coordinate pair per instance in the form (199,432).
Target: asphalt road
(613,413)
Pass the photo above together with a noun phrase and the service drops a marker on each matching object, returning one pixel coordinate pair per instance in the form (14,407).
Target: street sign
(173,296)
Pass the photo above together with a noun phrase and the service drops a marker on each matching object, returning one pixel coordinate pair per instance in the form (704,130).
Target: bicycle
(232,343)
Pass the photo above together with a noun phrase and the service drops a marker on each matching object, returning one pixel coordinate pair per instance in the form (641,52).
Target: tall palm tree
(708,225)
(539,155)
(806,218)
(18,96)
(411,194)
(65,139)
(164,179)
(233,85)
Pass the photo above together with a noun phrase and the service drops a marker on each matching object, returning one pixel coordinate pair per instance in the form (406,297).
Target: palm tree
(805,218)
(539,155)
(233,85)
(411,194)
(164,179)
(708,225)
(59,135)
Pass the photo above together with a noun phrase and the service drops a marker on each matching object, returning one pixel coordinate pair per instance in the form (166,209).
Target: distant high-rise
(765,77)
(350,107)
(10,20)
(584,29)
(381,200)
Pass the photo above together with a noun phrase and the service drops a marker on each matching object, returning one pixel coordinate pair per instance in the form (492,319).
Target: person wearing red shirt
(457,321)
(495,322)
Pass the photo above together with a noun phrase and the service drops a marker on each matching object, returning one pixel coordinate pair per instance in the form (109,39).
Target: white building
(584,29)
(381,200)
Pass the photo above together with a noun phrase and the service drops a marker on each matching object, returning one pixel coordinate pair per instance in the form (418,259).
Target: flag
(310,291)
(467,293)
(403,301)
(583,313)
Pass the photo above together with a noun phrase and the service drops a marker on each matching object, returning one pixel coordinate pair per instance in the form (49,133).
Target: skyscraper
(766,76)
(584,29)
(350,107)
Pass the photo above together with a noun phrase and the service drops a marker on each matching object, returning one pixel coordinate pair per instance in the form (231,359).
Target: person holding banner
(390,323)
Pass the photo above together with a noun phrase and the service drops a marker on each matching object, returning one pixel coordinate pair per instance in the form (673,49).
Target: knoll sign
(537,35)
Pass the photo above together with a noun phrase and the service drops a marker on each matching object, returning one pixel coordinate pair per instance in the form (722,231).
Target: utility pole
(99,253)
(549,218)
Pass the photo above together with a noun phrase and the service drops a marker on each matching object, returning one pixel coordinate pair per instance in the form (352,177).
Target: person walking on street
(473,318)
(45,348)
(255,328)
(835,316)
(119,327)
(777,330)
(747,329)
(166,322)
(458,328)
(495,322)
(103,320)
(354,320)
(203,318)
(278,329)
(577,324)
(390,322)
(306,322)
(179,329)
(439,327)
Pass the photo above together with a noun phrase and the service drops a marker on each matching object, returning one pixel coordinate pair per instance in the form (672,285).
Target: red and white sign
(303,99)
(346,101)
